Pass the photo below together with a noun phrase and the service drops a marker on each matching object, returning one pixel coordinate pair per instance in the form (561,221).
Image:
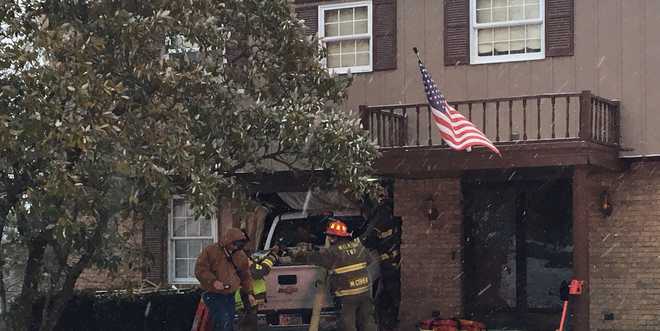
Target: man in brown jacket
(222,269)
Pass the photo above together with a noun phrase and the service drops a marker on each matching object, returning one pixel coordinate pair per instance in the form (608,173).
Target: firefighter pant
(357,313)
(248,320)
(389,297)
(221,307)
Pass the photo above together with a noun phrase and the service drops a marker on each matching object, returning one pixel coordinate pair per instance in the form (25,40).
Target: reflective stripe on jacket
(258,271)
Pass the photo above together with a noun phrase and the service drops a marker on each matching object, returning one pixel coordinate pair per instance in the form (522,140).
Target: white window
(179,45)
(506,30)
(345,30)
(187,237)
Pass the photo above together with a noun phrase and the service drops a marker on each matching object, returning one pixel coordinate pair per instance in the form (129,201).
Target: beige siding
(616,56)
(632,66)
(651,70)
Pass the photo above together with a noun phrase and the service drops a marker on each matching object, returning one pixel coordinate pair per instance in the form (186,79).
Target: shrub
(168,310)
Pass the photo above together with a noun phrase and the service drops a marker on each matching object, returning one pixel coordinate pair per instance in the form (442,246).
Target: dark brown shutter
(154,245)
(559,27)
(384,30)
(457,32)
(309,14)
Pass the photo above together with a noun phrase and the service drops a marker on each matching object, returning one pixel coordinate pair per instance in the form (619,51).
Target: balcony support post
(586,116)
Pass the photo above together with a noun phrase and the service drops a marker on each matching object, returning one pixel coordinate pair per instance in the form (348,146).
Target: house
(566,91)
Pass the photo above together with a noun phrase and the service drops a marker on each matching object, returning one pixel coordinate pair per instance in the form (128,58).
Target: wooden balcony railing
(560,116)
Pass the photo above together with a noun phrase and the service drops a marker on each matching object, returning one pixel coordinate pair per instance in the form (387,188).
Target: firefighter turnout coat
(346,262)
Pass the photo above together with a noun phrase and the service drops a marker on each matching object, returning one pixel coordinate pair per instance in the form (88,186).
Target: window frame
(171,254)
(475,58)
(369,35)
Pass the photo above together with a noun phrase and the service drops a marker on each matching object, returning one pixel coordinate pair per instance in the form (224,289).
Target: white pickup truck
(291,287)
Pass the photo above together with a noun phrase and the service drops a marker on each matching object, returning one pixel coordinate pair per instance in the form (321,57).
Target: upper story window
(506,30)
(179,46)
(346,31)
(187,237)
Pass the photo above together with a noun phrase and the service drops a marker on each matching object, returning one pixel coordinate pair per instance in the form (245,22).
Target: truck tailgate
(294,288)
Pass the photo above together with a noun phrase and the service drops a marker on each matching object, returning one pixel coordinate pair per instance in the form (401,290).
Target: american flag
(459,133)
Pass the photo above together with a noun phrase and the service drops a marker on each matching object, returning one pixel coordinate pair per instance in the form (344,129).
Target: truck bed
(293,287)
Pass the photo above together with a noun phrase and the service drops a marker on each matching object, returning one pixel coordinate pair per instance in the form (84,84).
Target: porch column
(583,199)
(431,269)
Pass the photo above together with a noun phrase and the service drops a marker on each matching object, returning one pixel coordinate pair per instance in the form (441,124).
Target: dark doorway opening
(518,248)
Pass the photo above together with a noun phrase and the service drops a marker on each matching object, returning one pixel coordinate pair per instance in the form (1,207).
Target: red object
(563,316)
(439,325)
(337,228)
(202,321)
(451,325)
(466,325)
(575,288)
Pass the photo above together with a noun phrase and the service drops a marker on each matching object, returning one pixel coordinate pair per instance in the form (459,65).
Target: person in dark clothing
(383,235)
(222,269)
(346,260)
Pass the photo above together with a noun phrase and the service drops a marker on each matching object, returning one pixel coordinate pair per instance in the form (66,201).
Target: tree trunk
(24,313)
(56,308)
(3,288)
(58,302)
(5,207)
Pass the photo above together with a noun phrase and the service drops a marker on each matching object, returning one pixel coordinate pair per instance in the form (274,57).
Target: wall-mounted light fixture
(605,205)
(431,212)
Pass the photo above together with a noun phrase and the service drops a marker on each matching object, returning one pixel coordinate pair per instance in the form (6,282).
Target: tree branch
(232,171)
(288,164)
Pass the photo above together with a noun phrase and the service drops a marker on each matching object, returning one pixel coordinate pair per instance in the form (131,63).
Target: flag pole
(417,53)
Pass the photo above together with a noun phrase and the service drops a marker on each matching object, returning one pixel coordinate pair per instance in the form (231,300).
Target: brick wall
(129,273)
(431,278)
(625,251)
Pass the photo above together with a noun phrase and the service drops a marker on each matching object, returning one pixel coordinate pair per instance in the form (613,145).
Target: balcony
(557,129)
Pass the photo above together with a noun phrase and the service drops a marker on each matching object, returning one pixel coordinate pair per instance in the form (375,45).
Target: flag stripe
(458,137)
(457,128)
(465,131)
(471,139)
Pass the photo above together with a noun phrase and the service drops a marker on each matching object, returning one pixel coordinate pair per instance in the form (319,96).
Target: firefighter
(222,268)
(384,236)
(258,270)
(346,260)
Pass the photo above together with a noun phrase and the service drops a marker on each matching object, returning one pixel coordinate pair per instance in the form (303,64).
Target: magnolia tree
(108,107)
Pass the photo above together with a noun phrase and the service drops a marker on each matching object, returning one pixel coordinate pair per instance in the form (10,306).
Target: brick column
(430,251)
(625,251)
(585,195)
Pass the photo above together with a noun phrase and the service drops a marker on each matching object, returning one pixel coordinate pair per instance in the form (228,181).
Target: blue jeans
(221,307)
